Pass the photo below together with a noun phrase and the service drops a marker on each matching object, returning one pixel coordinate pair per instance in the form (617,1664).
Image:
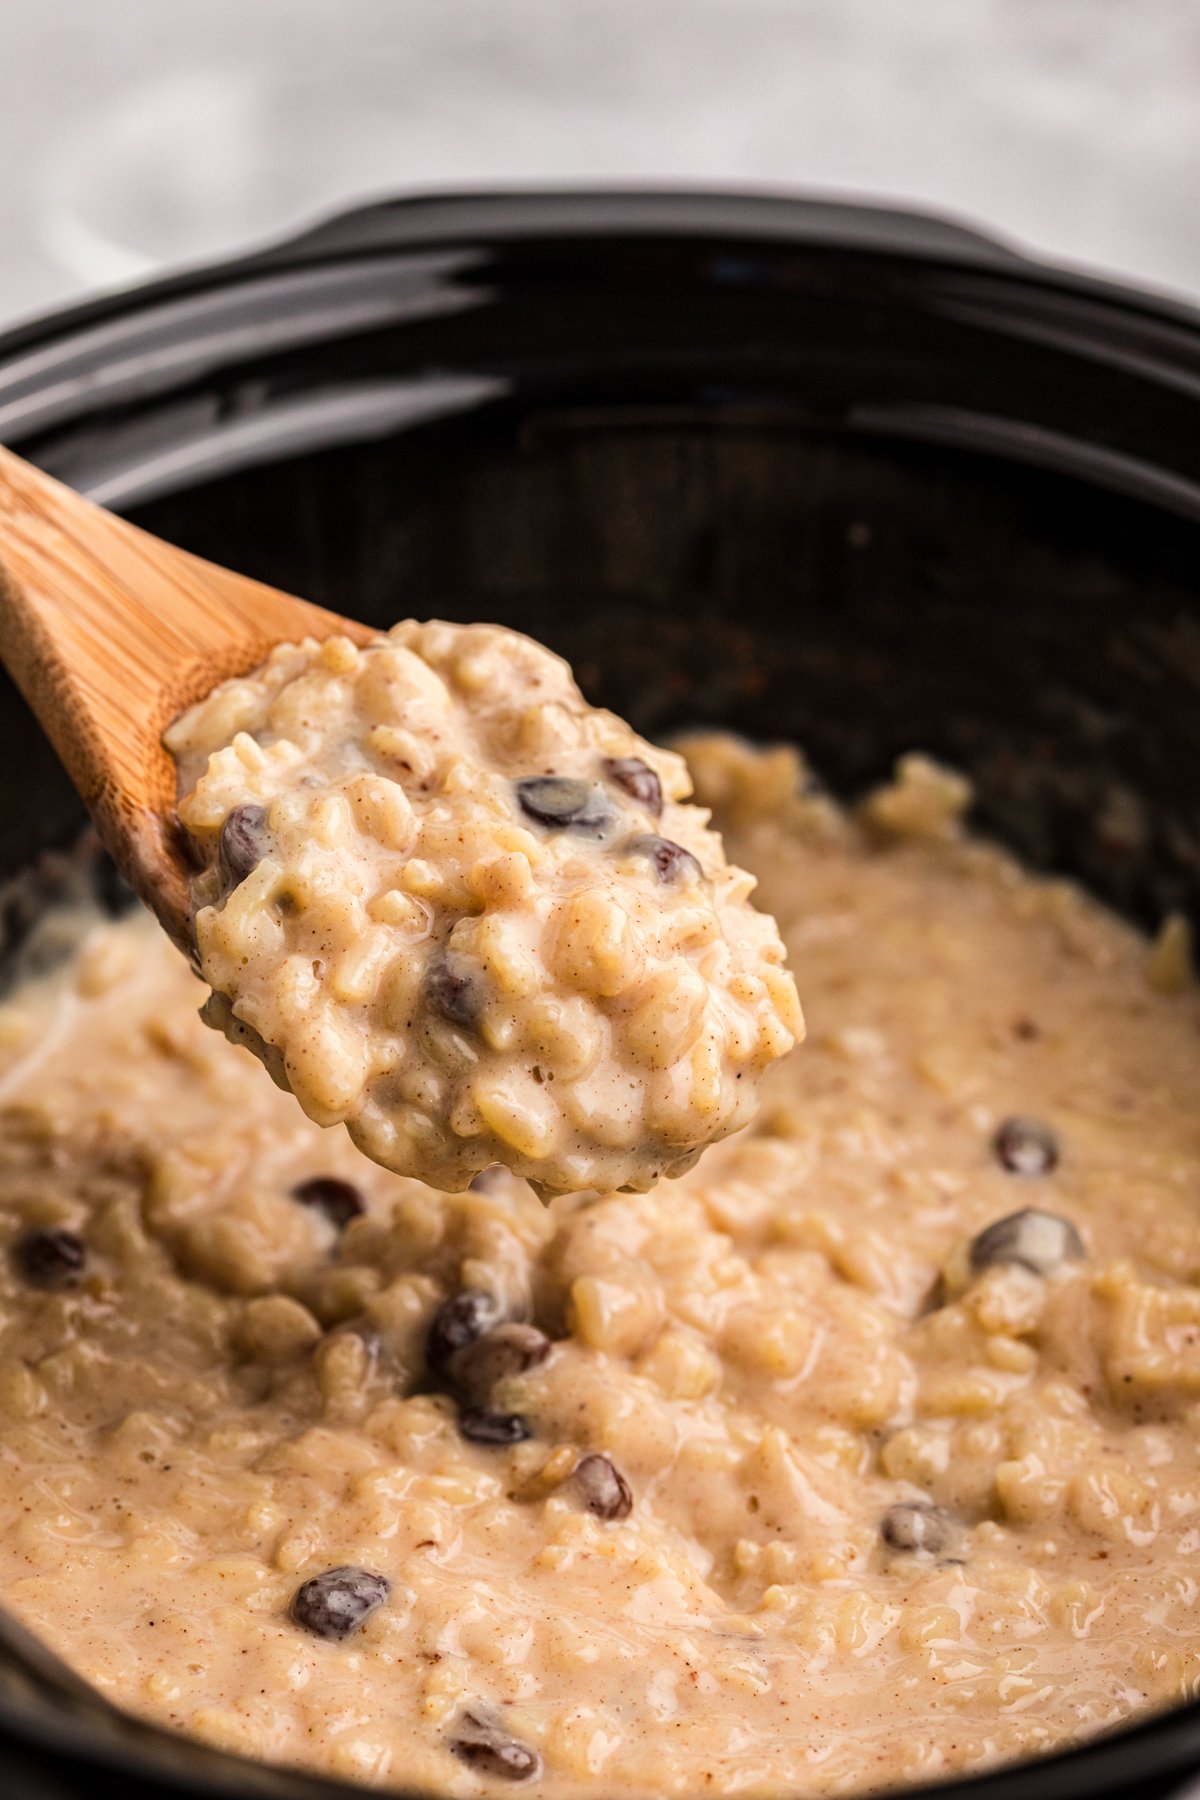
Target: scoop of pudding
(455,908)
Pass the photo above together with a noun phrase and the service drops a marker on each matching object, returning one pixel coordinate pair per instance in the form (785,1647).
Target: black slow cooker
(813,471)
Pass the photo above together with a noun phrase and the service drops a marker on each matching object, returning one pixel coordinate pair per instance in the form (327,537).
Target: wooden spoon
(110,633)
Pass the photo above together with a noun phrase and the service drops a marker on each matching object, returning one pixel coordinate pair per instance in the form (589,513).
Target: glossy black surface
(820,472)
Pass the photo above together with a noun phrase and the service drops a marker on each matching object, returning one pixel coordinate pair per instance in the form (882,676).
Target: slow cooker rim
(411,222)
(73,363)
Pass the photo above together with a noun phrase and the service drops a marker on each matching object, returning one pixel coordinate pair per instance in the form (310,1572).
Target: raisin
(565,804)
(242,844)
(339,1200)
(604,1489)
(920,1527)
(50,1258)
(638,780)
(1026,1147)
(479,1426)
(1040,1241)
(336,1603)
(457,1322)
(671,861)
(486,1746)
(454,988)
(508,1350)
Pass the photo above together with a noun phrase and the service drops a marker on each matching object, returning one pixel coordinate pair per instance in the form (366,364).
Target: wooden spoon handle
(110,633)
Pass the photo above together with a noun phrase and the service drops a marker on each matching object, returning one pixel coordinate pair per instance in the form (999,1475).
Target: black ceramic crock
(830,473)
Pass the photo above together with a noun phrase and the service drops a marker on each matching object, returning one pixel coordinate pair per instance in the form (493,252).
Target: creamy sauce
(814,1470)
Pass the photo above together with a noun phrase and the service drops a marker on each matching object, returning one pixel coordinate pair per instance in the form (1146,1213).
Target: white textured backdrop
(140,132)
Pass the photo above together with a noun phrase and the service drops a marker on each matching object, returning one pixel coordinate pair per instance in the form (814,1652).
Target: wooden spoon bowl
(110,634)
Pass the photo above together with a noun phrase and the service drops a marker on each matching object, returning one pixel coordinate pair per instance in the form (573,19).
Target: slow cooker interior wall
(862,597)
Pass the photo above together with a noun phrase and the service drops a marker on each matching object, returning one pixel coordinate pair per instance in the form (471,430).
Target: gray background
(137,133)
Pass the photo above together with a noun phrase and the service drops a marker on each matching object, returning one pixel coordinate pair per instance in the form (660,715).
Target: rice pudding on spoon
(455,908)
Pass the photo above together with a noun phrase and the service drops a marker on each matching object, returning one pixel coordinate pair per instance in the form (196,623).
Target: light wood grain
(110,633)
